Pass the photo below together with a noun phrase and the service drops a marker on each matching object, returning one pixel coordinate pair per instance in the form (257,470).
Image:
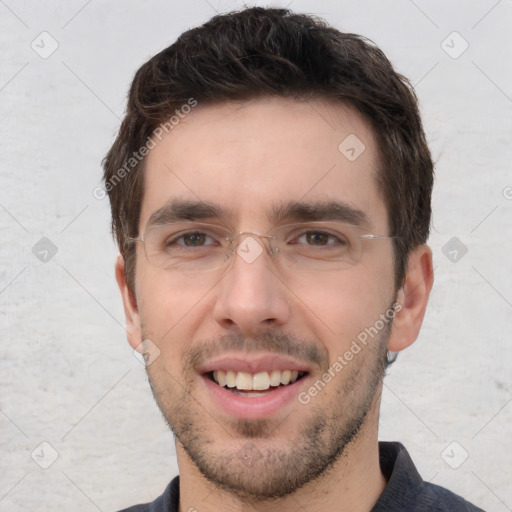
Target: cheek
(171,309)
(339,307)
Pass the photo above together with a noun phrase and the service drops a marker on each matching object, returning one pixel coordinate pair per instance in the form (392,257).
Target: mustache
(269,341)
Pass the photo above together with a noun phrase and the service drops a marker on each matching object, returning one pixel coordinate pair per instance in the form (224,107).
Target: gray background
(69,378)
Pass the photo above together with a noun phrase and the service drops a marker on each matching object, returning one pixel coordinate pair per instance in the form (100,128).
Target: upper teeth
(254,381)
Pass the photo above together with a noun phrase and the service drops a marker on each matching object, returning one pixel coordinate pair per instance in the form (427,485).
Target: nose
(251,297)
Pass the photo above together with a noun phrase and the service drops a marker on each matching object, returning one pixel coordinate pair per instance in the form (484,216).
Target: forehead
(254,156)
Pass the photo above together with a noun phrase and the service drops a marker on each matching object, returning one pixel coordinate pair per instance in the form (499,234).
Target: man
(270,190)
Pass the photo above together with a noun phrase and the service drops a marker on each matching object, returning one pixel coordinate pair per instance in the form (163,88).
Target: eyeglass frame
(274,251)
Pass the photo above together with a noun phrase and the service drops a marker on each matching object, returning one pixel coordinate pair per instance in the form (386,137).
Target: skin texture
(248,158)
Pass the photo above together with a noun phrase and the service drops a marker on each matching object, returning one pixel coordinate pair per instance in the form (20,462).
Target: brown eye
(320,239)
(317,238)
(194,239)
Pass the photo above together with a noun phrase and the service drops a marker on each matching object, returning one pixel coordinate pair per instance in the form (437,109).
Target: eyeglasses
(201,247)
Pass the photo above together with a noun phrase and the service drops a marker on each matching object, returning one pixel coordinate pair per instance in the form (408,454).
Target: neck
(354,483)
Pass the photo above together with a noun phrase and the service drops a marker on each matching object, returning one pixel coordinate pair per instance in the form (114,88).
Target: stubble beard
(252,465)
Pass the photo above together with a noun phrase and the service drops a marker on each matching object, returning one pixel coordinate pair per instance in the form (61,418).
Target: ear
(131,312)
(413,299)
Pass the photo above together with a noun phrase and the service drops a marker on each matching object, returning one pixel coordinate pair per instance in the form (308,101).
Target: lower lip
(256,407)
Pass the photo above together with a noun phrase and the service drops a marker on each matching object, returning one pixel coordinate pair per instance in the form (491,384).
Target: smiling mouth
(255,384)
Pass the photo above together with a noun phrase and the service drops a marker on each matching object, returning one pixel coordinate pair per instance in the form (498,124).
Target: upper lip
(253,364)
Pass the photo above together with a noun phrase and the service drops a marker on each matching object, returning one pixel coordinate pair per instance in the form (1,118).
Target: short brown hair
(274,52)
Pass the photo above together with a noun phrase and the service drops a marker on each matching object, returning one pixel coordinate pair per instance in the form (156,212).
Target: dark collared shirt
(405,491)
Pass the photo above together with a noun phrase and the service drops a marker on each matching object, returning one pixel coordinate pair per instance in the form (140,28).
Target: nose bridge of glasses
(246,243)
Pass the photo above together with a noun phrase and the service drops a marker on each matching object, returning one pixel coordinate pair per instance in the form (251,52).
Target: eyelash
(322,233)
(176,238)
(294,239)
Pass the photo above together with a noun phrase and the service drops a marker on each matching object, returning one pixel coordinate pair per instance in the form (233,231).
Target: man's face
(241,167)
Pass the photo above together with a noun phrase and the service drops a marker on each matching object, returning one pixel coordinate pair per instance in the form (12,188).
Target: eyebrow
(177,210)
(301,211)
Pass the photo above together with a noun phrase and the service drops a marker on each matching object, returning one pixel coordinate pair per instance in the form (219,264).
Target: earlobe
(131,312)
(413,299)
